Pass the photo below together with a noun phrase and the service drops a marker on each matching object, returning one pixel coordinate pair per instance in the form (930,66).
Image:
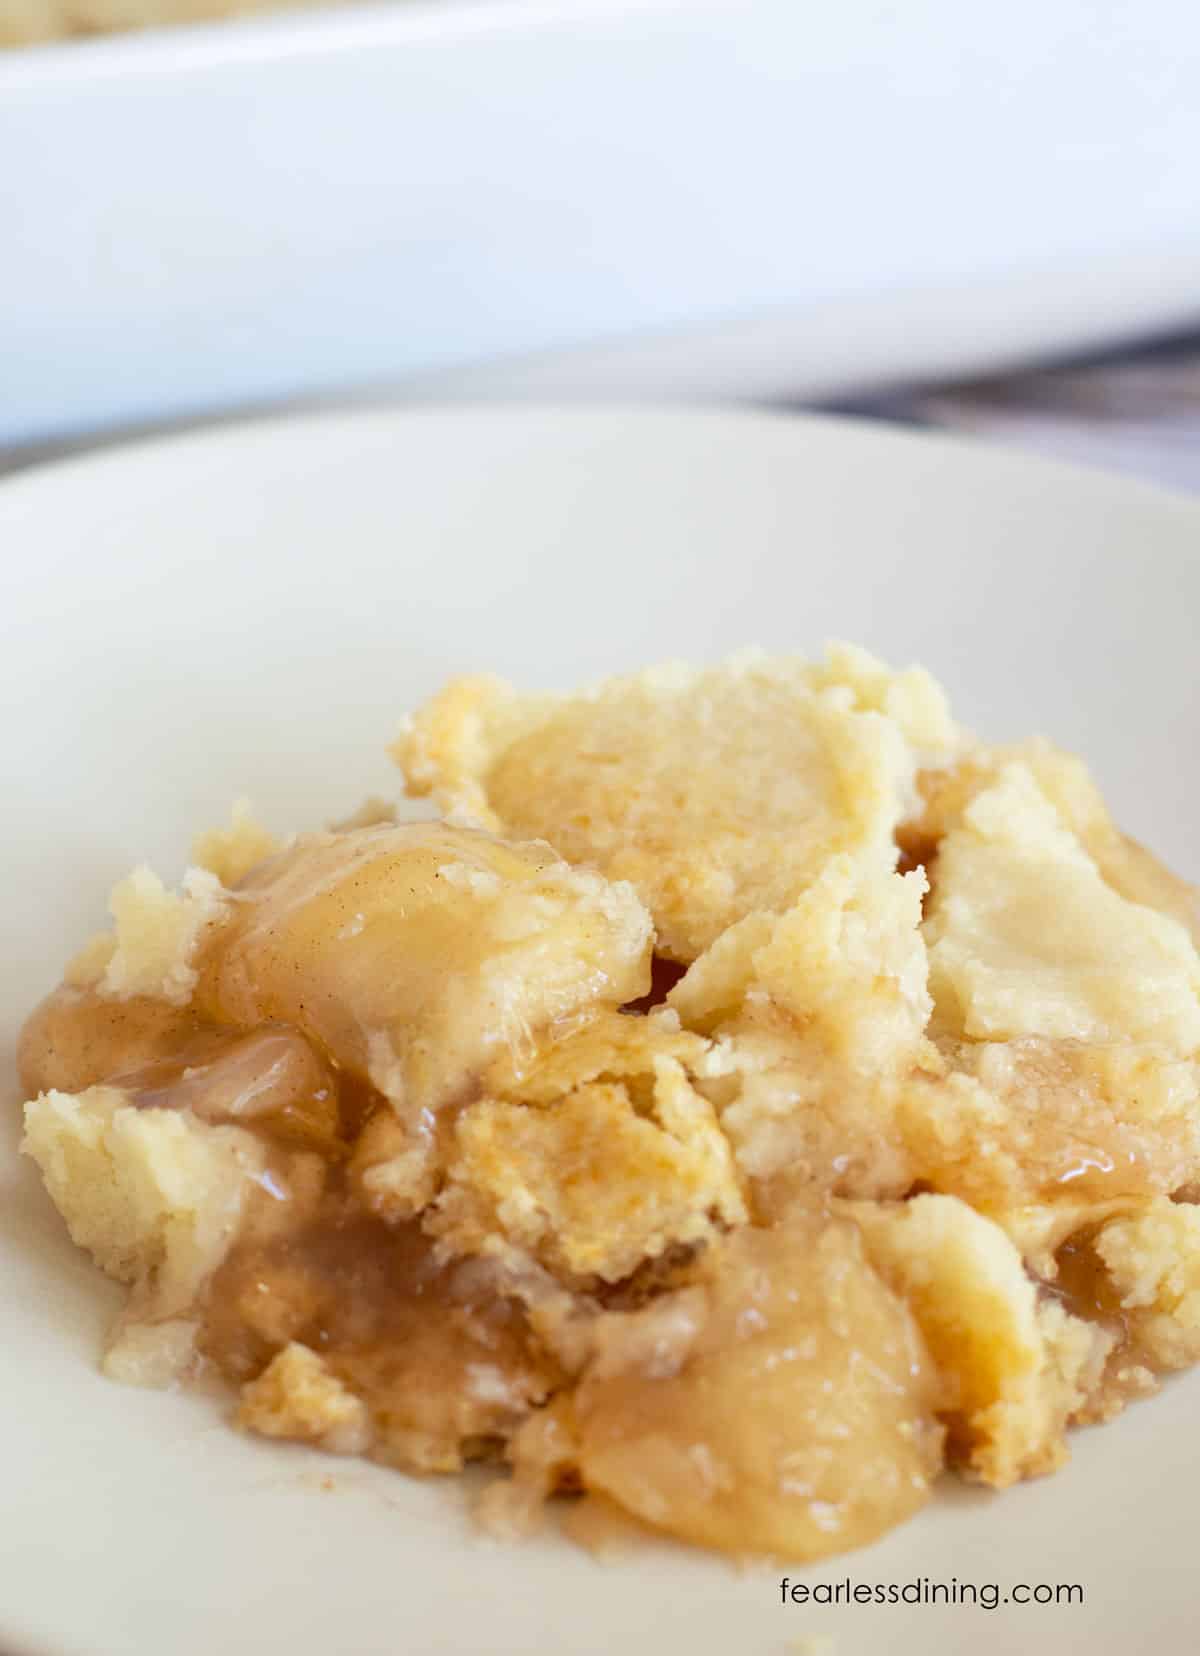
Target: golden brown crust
(715,792)
(599,1176)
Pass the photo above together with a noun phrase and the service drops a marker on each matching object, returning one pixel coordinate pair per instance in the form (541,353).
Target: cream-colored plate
(249,611)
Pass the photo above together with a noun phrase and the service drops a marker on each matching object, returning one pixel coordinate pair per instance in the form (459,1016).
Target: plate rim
(123,449)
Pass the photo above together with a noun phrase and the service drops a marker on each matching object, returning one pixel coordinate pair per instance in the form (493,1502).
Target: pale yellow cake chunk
(297,1396)
(154,1354)
(799,1121)
(593,1180)
(155,1196)
(230,853)
(1153,1262)
(820,1014)
(598,1045)
(945,792)
(151,949)
(716,792)
(1006,1124)
(912,699)
(846,959)
(1025,938)
(947,789)
(979,1314)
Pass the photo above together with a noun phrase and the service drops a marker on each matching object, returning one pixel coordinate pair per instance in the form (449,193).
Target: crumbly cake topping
(1026,938)
(155,935)
(715,793)
(231,852)
(598,1177)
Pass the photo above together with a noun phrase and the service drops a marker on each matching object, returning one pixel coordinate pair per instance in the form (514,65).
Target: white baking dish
(587,196)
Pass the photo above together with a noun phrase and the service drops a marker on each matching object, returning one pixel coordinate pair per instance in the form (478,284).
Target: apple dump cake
(752,1096)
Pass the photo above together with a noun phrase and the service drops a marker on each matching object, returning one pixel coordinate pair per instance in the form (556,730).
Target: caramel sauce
(664,975)
(446,1366)
(915,848)
(444,1372)
(77,1038)
(357,1101)
(1084,1287)
(270,1082)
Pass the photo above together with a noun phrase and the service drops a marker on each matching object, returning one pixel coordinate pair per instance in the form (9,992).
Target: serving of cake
(752,1096)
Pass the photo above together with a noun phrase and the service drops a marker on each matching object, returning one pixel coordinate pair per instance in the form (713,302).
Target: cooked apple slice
(412,954)
(797,1418)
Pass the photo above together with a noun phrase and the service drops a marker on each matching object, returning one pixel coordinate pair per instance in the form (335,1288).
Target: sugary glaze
(859,1136)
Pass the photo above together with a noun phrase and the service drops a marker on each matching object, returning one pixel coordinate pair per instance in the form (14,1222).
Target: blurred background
(980,218)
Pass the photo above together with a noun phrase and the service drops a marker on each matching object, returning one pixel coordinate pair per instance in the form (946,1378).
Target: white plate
(587,197)
(249,611)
